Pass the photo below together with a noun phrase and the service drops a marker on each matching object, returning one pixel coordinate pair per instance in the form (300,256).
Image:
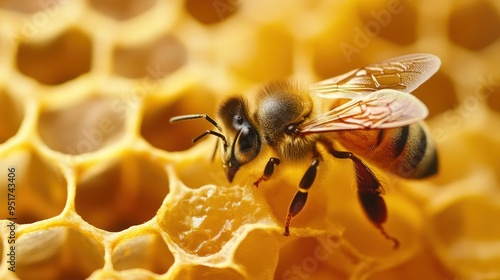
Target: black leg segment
(298,202)
(268,171)
(369,193)
(300,198)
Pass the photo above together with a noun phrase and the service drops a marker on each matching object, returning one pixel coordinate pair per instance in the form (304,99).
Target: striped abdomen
(407,151)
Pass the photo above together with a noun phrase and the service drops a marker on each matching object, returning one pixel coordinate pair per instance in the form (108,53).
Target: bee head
(242,139)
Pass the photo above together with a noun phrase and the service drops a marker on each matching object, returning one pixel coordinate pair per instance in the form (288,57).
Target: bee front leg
(268,171)
(299,200)
(369,193)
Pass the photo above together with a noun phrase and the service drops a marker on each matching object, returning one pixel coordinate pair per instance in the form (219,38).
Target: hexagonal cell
(202,221)
(11,116)
(261,55)
(465,232)
(157,130)
(461,150)
(308,257)
(491,91)
(147,251)
(122,10)
(62,59)
(211,12)
(154,60)
(40,190)
(335,55)
(28,7)
(474,25)
(121,192)
(394,21)
(84,127)
(438,94)
(58,253)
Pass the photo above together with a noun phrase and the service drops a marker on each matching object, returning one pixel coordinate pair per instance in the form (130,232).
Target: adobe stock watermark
(364,36)
(322,252)
(225,7)
(33,24)
(455,118)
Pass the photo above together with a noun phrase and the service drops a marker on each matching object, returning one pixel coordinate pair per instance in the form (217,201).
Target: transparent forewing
(380,109)
(403,73)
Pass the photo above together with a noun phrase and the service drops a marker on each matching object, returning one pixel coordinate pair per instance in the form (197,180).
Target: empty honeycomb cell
(157,130)
(58,253)
(11,116)
(147,251)
(84,127)
(59,60)
(211,12)
(125,191)
(481,148)
(438,94)
(466,233)
(122,10)
(336,55)
(453,132)
(309,258)
(154,60)
(491,92)
(27,7)
(474,25)
(40,192)
(262,55)
(394,21)
(202,221)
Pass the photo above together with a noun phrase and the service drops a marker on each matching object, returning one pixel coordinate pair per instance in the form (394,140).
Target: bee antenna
(196,116)
(196,139)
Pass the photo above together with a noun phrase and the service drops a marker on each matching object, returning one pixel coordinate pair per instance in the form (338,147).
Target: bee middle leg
(369,193)
(300,198)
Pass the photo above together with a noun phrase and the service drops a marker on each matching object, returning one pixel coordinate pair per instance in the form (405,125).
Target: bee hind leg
(300,198)
(369,194)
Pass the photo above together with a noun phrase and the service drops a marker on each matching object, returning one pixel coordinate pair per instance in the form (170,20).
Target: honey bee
(365,115)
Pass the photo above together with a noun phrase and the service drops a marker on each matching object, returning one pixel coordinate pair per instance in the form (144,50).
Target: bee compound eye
(247,146)
(247,140)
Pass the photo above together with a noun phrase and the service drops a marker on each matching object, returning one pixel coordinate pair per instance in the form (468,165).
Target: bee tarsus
(298,202)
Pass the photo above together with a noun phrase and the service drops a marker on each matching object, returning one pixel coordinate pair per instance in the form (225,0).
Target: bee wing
(386,108)
(404,73)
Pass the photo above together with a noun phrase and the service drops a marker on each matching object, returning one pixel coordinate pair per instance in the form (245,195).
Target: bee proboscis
(367,114)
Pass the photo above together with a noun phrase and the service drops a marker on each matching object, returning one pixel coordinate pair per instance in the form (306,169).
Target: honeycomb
(105,188)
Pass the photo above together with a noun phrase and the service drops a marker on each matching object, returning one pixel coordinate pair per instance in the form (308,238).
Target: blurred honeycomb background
(106,188)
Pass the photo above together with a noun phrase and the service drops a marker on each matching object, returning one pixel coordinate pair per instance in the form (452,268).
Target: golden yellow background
(106,188)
